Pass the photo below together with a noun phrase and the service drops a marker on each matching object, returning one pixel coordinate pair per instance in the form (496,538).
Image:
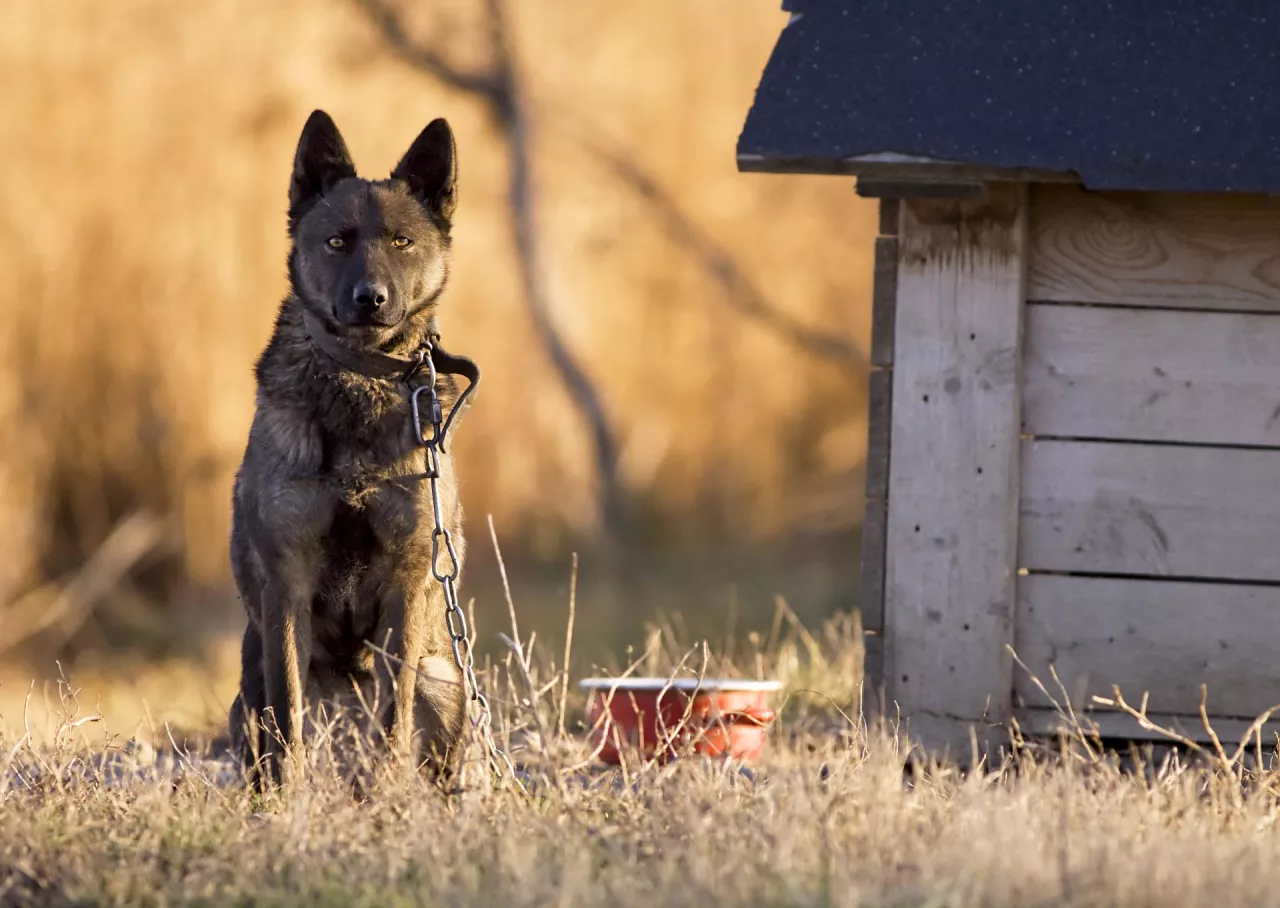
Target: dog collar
(376,364)
(370,363)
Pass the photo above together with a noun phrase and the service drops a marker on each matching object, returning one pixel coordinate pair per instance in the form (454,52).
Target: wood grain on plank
(953,476)
(1181,511)
(1152,375)
(1159,638)
(1198,251)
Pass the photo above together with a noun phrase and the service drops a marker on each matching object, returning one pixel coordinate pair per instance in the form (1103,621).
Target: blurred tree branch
(498,88)
(68,603)
(740,290)
(486,85)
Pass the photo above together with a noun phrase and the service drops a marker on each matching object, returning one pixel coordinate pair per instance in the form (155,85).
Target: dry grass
(142,244)
(837,814)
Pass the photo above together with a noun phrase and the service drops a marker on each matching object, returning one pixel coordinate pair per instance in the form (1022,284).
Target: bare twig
(811,645)
(568,642)
(1254,732)
(506,589)
(605,716)
(1087,736)
(1084,735)
(1146,724)
(530,686)
(185,757)
(1208,727)
(26,713)
(667,738)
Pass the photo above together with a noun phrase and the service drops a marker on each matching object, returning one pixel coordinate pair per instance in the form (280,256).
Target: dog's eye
(336,242)
(402,242)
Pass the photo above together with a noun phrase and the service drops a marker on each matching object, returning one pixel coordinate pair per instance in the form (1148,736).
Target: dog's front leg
(285,524)
(245,721)
(286,657)
(403,636)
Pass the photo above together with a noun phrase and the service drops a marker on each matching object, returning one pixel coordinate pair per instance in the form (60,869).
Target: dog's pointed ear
(430,167)
(321,160)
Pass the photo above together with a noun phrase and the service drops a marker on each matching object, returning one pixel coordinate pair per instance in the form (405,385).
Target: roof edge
(894,165)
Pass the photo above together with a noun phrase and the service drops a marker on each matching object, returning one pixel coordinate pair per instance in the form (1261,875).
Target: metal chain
(479,714)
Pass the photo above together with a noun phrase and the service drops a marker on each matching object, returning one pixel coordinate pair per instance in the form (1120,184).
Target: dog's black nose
(370,296)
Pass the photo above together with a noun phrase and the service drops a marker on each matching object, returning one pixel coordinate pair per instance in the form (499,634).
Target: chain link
(479,713)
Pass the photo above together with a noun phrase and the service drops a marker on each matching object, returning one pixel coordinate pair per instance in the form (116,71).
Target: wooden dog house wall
(1074,451)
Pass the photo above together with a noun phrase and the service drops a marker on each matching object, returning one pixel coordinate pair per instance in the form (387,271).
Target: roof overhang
(894,165)
(892,174)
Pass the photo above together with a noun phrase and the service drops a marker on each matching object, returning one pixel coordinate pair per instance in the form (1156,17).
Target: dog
(333,520)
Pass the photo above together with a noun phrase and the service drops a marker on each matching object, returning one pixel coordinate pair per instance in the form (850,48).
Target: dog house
(1074,448)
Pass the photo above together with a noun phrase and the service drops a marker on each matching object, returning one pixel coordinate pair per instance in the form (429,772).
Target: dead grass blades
(829,817)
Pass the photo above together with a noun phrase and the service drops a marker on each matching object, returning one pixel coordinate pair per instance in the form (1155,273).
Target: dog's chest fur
(382,521)
(367,437)
(349,440)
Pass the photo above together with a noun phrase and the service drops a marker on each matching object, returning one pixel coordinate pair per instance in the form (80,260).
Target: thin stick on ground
(568,643)
(1066,712)
(1145,723)
(506,584)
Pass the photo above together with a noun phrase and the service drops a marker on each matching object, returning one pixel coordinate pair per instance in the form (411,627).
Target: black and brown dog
(331,545)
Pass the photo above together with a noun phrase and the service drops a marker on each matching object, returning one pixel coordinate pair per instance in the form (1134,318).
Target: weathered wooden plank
(1120,726)
(1161,638)
(1198,251)
(875,515)
(1154,375)
(884,296)
(1180,511)
(872,673)
(879,432)
(871,601)
(953,477)
(879,421)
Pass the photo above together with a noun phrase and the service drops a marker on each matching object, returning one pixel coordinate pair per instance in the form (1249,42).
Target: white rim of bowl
(680,684)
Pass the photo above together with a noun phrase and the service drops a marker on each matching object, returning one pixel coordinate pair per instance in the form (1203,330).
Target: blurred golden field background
(719,317)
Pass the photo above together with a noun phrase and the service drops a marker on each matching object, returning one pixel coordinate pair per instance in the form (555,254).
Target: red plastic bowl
(663,717)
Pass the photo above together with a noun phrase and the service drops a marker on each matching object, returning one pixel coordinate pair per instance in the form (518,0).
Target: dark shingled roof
(1128,94)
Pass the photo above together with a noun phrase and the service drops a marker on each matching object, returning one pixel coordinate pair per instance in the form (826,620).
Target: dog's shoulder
(287,363)
(285,435)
